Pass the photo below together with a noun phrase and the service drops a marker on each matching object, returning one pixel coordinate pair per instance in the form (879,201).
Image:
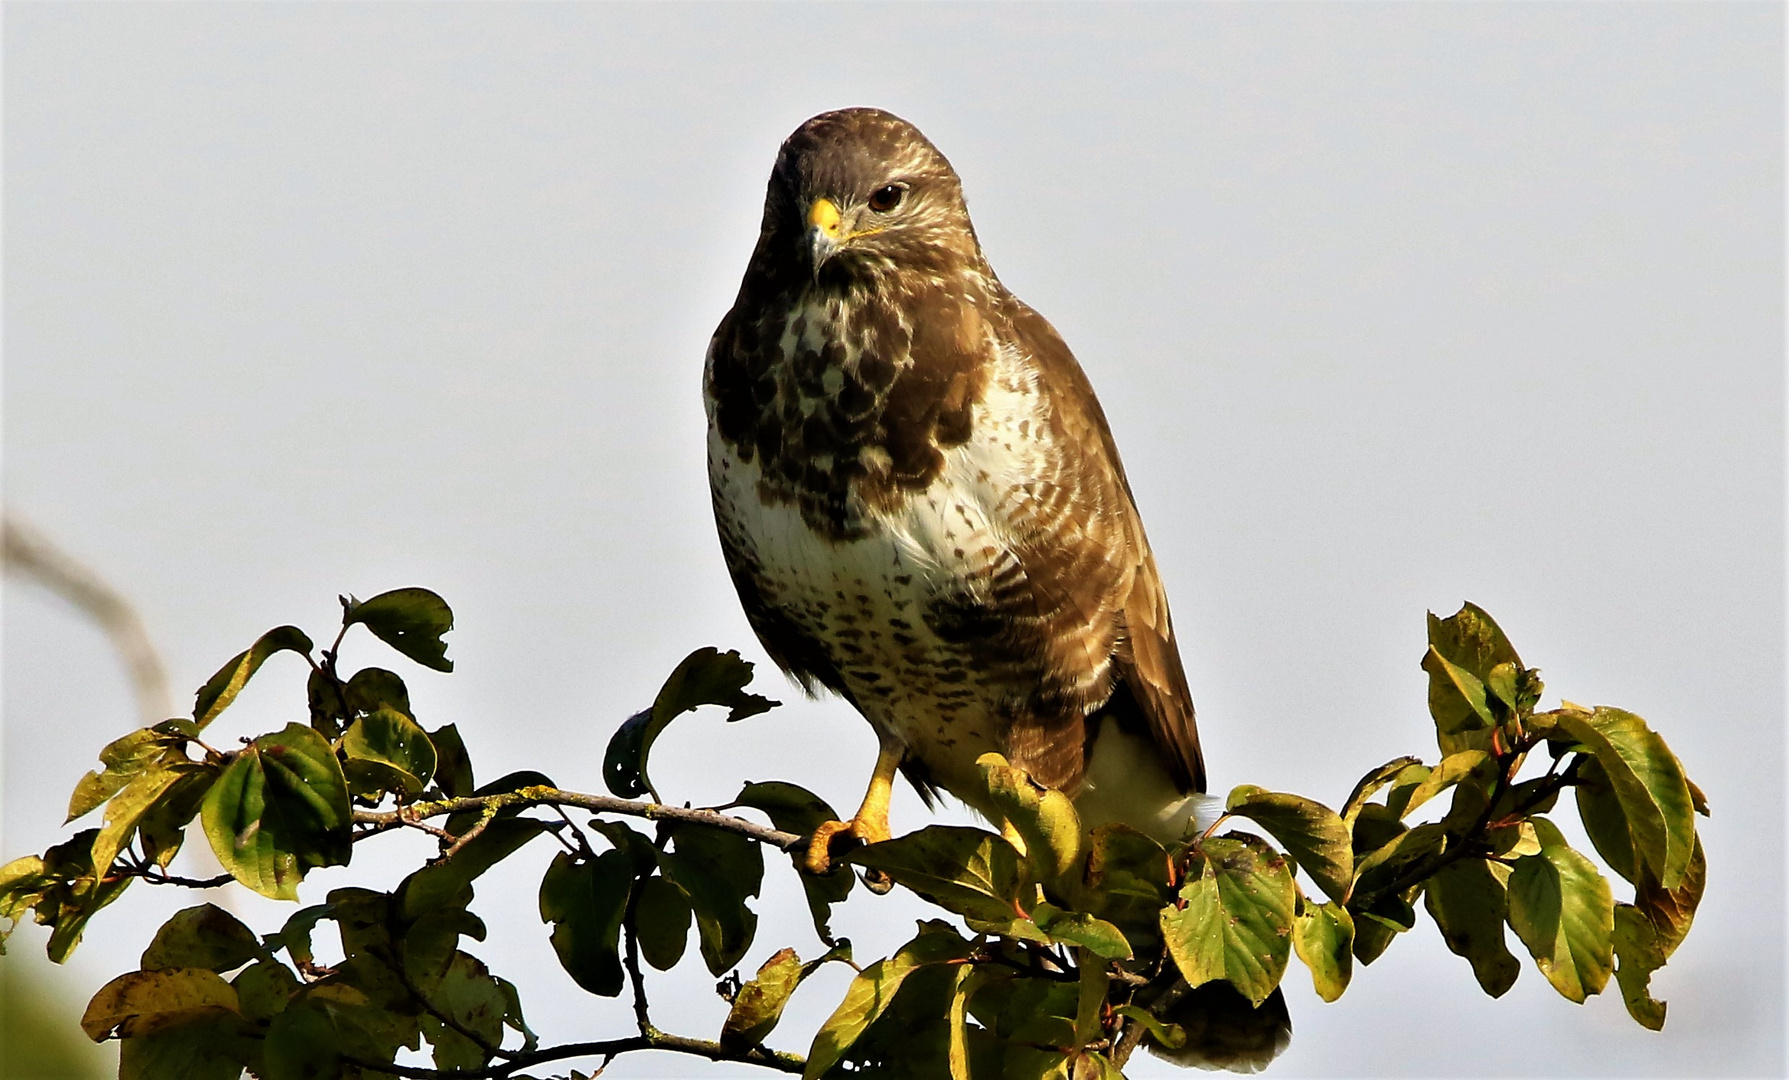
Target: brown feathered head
(859,193)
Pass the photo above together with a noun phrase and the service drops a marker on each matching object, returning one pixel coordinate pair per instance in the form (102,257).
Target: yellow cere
(825,216)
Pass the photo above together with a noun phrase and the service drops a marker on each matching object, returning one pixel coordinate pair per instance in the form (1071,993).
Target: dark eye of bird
(884,199)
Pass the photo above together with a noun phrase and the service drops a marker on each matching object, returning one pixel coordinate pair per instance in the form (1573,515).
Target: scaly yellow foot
(868,826)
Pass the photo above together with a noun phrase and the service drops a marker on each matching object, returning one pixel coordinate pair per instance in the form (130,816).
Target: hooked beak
(825,232)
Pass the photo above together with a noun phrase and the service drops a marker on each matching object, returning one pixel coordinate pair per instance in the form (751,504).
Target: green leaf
(205,936)
(1456,697)
(971,872)
(1473,766)
(295,936)
(1311,833)
(1095,935)
(1385,864)
(123,759)
(662,921)
(409,620)
(1605,821)
(1171,1036)
(162,828)
(1378,925)
(1044,818)
(372,689)
(1648,782)
(1469,905)
(429,944)
(873,990)
(328,703)
(1638,955)
(453,768)
(386,750)
(212,1046)
(127,808)
(325,1023)
(1370,784)
(585,900)
(1128,883)
(263,989)
(1562,910)
(797,810)
(759,1004)
(705,677)
(1236,922)
(1470,643)
(1323,934)
(279,809)
(719,871)
(477,1002)
(144,1002)
(217,693)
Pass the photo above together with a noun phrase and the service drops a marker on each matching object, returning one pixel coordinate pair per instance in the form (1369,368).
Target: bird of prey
(921,504)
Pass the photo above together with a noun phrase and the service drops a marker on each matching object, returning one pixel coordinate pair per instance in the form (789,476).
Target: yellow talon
(868,826)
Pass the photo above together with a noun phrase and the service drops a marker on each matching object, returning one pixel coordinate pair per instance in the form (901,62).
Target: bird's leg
(868,826)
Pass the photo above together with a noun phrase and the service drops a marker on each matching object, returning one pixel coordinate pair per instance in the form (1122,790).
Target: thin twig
(381,820)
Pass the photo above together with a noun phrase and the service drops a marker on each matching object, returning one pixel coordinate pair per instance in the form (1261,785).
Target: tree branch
(608,1048)
(376,821)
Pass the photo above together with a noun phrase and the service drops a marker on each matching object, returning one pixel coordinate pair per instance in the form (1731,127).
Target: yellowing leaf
(1236,922)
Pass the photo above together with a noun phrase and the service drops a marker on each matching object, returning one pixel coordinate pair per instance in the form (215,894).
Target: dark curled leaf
(662,921)
(1376,926)
(1311,833)
(718,871)
(705,677)
(279,809)
(515,781)
(409,620)
(217,693)
(453,768)
(797,810)
(1468,904)
(1236,922)
(585,901)
(205,936)
(1671,910)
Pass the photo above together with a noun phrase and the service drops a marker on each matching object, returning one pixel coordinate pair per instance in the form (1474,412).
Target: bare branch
(488,805)
(608,1048)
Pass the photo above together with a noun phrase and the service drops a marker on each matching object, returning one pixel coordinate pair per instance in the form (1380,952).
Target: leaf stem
(608,1048)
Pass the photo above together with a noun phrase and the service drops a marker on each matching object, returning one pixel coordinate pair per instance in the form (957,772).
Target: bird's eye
(886,198)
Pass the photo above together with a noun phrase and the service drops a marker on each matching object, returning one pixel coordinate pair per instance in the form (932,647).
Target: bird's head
(860,192)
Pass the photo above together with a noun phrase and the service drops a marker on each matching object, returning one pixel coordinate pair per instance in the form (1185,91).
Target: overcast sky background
(1389,306)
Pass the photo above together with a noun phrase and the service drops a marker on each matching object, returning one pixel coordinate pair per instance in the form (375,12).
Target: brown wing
(1093,567)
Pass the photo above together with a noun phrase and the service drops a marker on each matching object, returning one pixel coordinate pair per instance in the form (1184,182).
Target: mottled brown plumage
(917,493)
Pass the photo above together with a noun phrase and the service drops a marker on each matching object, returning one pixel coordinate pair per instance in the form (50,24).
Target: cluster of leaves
(1069,948)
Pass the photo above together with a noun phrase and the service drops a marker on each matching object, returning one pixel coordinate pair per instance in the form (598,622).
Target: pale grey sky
(1390,307)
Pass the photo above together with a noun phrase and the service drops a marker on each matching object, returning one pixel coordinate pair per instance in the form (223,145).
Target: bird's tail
(1224,1031)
